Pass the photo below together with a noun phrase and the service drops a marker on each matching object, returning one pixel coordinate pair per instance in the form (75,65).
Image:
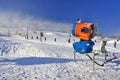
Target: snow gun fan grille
(83,31)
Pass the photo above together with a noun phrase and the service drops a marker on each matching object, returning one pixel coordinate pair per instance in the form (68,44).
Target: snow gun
(85,32)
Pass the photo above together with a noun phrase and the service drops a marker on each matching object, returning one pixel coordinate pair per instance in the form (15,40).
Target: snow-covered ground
(31,59)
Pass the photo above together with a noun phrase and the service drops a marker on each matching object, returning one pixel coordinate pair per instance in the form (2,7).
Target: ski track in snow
(34,60)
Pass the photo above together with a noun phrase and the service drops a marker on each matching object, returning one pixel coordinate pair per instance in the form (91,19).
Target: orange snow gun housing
(84,31)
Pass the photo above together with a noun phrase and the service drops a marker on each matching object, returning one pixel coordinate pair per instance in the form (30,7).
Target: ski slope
(22,59)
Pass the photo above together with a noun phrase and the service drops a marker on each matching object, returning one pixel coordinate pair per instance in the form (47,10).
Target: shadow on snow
(37,60)
(117,62)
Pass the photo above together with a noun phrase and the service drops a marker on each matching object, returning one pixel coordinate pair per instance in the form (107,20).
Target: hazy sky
(105,12)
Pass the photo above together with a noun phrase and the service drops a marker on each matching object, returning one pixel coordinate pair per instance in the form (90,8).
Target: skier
(54,39)
(45,38)
(115,44)
(31,37)
(118,39)
(37,37)
(69,40)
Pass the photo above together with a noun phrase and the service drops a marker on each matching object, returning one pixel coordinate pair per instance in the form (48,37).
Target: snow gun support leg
(74,55)
(95,62)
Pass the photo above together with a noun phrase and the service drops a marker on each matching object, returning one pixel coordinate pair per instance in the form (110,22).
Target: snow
(22,59)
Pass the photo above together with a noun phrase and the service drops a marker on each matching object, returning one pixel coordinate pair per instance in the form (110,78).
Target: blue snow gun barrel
(83,47)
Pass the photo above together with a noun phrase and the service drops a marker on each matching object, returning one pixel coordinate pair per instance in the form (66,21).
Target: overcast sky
(105,12)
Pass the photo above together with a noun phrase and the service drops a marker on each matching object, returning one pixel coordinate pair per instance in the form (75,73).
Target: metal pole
(74,56)
(105,56)
(27,32)
(40,37)
(8,32)
(93,61)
